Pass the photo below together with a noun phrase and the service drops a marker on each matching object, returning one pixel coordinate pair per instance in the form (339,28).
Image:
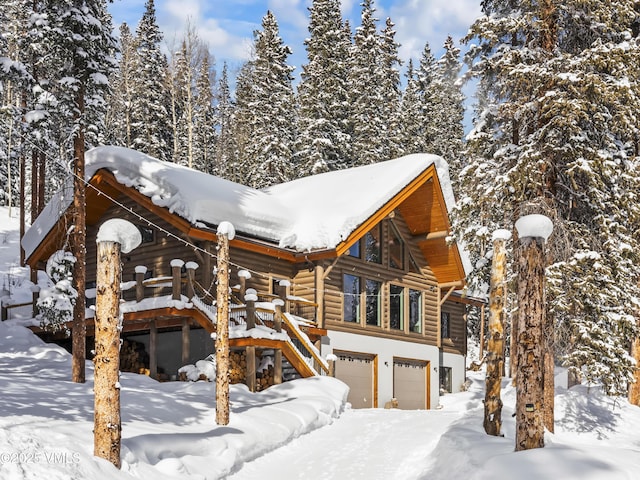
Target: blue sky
(227,25)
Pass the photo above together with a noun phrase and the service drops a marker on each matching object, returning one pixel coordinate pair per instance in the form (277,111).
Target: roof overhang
(421,203)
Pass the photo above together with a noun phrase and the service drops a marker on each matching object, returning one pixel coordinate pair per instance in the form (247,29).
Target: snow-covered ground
(300,429)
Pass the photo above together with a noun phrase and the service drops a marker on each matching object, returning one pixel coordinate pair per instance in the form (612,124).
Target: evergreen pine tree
(447,113)
(121,99)
(366,96)
(150,118)
(204,136)
(323,124)
(557,132)
(268,118)
(225,150)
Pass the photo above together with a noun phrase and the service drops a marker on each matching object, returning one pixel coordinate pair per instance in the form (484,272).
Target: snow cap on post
(536,226)
(120,231)
(501,234)
(226,228)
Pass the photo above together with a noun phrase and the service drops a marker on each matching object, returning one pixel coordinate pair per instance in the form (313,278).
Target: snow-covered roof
(311,213)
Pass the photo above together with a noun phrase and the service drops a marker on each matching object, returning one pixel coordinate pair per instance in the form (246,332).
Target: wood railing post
(250,300)
(243,276)
(35,295)
(141,271)
(331,360)
(191,278)
(176,282)
(277,356)
(283,285)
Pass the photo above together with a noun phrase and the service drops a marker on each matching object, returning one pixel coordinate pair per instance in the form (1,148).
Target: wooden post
(225,233)
(497,301)
(141,270)
(277,358)
(283,285)
(113,237)
(176,275)
(191,278)
(243,276)
(35,295)
(186,342)
(533,230)
(319,294)
(107,425)
(153,350)
(250,376)
(331,360)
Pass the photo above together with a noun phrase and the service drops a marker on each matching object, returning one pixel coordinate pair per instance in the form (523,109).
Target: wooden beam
(449,292)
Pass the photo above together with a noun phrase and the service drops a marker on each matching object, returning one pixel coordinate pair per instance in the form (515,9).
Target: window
(445,325)
(415,311)
(351,294)
(372,251)
(147,234)
(354,250)
(445,380)
(373,304)
(396,249)
(396,307)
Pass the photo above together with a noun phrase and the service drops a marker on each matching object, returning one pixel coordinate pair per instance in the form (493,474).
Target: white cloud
(421,21)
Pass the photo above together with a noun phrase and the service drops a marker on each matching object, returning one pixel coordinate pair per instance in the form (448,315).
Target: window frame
(378,306)
(357,297)
(445,333)
(420,313)
(402,308)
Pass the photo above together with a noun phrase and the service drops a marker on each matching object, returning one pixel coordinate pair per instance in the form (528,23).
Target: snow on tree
(119,128)
(323,116)
(556,132)
(266,116)
(57,300)
(225,150)
(365,95)
(150,118)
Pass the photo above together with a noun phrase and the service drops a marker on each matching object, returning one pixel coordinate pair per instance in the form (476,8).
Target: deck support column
(250,377)
(277,357)
(141,270)
(186,342)
(153,350)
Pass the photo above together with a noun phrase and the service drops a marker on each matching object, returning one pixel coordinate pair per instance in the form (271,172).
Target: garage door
(358,371)
(410,383)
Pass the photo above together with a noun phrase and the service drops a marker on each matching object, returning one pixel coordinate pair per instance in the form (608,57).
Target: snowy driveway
(364,444)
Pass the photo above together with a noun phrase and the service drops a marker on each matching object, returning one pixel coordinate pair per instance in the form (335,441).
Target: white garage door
(410,383)
(358,371)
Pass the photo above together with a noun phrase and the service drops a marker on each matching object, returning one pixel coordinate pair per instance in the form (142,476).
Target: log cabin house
(360,258)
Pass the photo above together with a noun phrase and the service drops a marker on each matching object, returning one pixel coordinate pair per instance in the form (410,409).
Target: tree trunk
(22,206)
(78,249)
(495,346)
(530,320)
(107,425)
(222,332)
(634,389)
(549,390)
(41,182)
